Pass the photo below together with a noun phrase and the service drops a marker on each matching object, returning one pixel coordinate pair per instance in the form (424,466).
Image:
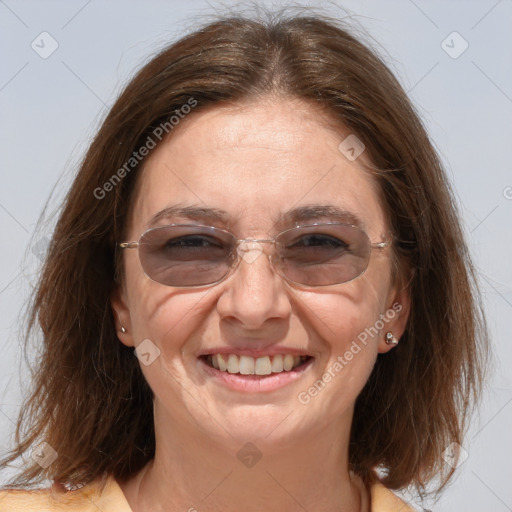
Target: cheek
(162,314)
(171,320)
(340,315)
(346,325)
(167,316)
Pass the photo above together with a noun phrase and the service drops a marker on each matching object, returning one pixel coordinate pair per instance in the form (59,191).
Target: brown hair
(91,402)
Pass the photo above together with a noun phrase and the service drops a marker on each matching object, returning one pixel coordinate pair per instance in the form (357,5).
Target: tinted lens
(186,255)
(322,255)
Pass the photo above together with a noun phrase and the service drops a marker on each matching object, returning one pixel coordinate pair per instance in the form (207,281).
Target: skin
(255,161)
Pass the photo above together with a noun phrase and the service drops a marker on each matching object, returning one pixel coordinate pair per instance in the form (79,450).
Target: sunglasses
(182,255)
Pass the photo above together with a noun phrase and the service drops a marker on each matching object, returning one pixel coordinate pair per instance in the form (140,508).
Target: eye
(315,249)
(193,241)
(193,250)
(317,240)
(194,247)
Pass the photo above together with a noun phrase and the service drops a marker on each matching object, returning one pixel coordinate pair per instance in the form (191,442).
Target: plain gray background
(51,107)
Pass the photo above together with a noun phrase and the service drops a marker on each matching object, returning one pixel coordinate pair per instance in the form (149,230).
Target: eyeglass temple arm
(381,245)
(128,245)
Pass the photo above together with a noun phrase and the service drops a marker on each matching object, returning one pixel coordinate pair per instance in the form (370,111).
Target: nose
(254,296)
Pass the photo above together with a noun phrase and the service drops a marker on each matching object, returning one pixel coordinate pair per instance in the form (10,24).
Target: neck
(193,472)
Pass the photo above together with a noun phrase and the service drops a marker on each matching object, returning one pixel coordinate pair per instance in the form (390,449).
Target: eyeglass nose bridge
(250,249)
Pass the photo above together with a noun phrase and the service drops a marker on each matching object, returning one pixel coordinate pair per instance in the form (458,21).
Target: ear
(396,315)
(121,314)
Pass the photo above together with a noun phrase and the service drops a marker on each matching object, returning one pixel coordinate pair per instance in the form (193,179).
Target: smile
(247,365)
(248,374)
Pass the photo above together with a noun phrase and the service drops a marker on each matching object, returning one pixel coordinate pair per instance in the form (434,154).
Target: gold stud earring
(390,339)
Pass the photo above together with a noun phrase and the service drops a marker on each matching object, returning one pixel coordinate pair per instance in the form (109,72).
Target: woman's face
(257,165)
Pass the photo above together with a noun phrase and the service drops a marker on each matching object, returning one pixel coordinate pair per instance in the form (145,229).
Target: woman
(264,222)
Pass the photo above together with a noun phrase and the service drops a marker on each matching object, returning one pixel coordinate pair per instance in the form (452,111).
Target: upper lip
(254,352)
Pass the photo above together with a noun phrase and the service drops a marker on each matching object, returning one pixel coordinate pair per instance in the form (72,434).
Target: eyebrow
(198,213)
(317,212)
(294,216)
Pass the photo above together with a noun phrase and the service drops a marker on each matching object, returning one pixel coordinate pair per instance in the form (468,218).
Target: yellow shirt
(92,498)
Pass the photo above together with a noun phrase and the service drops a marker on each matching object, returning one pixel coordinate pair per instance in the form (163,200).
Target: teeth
(288,362)
(262,366)
(223,364)
(277,364)
(233,364)
(246,365)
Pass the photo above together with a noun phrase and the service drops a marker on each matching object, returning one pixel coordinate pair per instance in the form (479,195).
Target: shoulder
(384,500)
(107,496)
(102,494)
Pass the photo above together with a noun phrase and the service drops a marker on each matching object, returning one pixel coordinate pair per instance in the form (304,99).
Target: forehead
(254,164)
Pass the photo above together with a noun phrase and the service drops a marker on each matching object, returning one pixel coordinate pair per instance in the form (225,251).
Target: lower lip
(256,383)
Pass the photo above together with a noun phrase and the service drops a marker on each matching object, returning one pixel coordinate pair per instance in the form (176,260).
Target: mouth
(253,371)
(247,365)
